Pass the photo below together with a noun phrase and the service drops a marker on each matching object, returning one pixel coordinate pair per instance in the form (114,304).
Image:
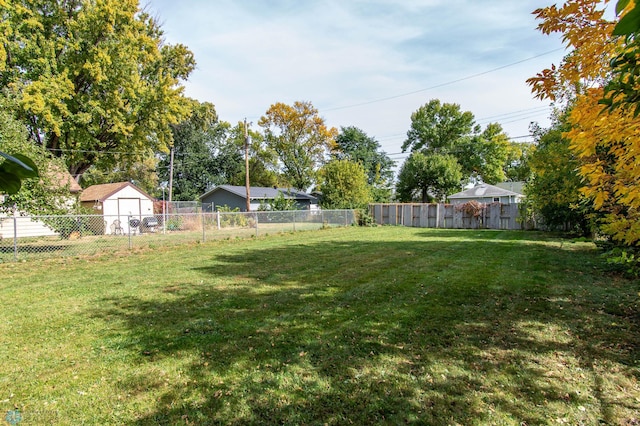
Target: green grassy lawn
(384,325)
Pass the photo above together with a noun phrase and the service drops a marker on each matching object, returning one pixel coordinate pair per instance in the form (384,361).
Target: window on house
(496,199)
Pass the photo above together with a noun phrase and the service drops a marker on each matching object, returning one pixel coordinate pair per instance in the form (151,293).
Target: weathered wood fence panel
(491,216)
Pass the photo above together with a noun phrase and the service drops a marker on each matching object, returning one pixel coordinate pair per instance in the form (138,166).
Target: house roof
(484,190)
(102,192)
(261,192)
(517,187)
(63,178)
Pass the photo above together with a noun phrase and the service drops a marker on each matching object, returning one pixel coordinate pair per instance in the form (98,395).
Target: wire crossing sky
(365,63)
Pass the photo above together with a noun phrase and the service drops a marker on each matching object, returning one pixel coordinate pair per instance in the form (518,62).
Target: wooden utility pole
(246,164)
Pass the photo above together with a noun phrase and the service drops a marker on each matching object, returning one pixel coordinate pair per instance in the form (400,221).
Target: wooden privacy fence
(452,216)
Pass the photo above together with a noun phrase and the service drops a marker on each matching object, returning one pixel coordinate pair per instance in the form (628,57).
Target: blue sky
(368,64)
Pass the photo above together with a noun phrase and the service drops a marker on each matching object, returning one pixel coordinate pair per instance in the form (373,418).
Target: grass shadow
(445,328)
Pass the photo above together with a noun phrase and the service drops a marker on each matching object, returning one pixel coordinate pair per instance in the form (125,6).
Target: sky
(365,63)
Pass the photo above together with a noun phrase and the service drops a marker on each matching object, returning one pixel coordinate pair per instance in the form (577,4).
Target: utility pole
(246,164)
(171,177)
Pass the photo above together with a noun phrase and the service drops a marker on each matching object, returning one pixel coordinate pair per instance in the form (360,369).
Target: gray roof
(262,193)
(484,190)
(517,187)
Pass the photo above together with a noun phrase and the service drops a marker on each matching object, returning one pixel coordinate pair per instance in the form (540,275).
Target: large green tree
(355,145)
(263,161)
(344,185)
(553,193)
(44,193)
(93,78)
(438,128)
(443,128)
(205,154)
(484,154)
(301,140)
(428,177)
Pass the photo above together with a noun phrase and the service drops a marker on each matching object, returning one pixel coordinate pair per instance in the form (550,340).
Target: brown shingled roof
(64,178)
(102,192)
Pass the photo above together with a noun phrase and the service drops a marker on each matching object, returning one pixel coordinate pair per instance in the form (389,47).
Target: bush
(234,219)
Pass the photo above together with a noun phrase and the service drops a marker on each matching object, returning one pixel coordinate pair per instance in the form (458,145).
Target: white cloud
(346,53)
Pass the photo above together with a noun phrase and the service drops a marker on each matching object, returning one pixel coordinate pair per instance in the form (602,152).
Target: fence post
(218,219)
(257,223)
(15,233)
(294,220)
(204,236)
(129,228)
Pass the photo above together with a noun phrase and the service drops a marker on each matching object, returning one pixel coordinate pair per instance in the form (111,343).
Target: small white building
(118,203)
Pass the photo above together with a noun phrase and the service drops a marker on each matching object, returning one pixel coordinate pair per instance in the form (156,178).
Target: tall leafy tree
(428,177)
(205,154)
(93,77)
(47,191)
(604,139)
(438,128)
(554,190)
(344,185)
(484,154)
(442,128)
(355,145)
(263,162)
(517,166)
(301,140)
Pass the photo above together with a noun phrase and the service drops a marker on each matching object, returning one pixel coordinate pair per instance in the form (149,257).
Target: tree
(263,162)
(344,185)
(484,155)
(603,139)
(517,166)
(205,154)
(93,78)
(140,172)
(300,138)
(444,129)
(424,177)
(554,191)
(355,145)
(35,191)
(437,127)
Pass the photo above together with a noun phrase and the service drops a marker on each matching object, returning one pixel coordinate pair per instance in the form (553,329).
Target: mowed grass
(385,325)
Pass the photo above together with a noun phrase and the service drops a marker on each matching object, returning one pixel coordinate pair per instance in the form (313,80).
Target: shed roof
(483,190)
(261,192)
(102,192)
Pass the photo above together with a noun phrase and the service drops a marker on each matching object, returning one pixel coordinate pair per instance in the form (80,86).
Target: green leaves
(629,23)
(13,169)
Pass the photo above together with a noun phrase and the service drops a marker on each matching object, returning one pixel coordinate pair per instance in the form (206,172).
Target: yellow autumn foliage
(607,141)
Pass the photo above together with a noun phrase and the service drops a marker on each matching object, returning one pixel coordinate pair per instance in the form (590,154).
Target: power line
(442,84)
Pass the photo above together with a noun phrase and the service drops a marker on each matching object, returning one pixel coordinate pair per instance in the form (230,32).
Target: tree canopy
(553,193)
(425,177)
(41,190)
(444,129)
(603,137)
(92,78)
(344,185)
(301,140)
(355,145)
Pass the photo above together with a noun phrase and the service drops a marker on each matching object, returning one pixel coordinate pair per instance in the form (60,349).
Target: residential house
(236,197)
(486,194)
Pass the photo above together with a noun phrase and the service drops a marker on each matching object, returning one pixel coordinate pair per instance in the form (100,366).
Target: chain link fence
(37,237)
